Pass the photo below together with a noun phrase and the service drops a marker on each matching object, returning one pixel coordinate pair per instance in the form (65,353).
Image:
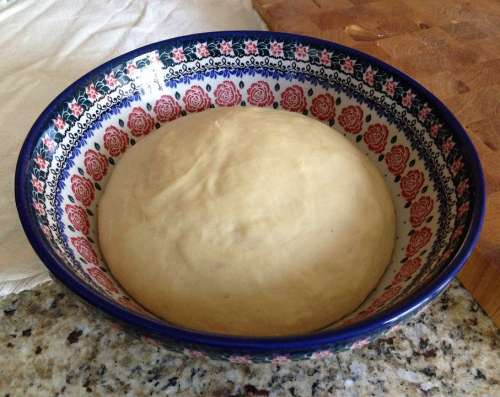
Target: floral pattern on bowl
(427,161)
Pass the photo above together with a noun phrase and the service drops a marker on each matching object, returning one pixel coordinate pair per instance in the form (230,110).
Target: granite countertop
(52,344)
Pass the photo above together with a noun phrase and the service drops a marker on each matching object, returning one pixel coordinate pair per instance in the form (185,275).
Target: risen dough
(247,221)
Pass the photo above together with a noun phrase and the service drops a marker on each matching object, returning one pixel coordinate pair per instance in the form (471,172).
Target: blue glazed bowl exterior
(427,160)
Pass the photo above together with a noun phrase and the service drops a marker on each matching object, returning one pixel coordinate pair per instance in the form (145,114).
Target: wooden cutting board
(450,46)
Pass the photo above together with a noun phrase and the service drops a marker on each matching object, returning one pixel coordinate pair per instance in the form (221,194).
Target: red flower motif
(424,113)
(96,164)
(407,270)
(76,109)
(276,49)
(464,208)
(420,210)
(447,145)
(323,107)
(178,55)
(111,80)
(435,129)
(39,208)
(140,122)
(411,184)
(46,230)
(41,163)
(167,109)
(369,76)
(397,158)
(418,240)
(348,65)
(226,94)
(83,189)
(325,58)
(458,232)
(293,99)
(78,218)
(446,254)
(59,123)
(49,143)
(302,52)
(91,92)
(102,279)
(202,50)
(456,166)
(85,249)
(226,47)
(115,141)
(462,187)
(251,47)
(376,137)
(196,99)
(390,86)
(407,99)
(351,119)
(389,294)
(260,94)
(37,185)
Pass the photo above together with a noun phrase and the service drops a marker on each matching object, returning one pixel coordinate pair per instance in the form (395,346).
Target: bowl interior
(89,128)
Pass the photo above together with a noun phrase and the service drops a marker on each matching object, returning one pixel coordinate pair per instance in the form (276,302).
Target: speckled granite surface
(51,344)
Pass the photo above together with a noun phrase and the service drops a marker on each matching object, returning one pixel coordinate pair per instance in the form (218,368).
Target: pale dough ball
(247,221)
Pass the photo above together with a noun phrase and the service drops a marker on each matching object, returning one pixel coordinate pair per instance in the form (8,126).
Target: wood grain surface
(452,47)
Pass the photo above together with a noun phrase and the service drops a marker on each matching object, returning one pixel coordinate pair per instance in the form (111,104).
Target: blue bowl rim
(339,336)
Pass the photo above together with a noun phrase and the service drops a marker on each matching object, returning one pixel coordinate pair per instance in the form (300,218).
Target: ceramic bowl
(423,153)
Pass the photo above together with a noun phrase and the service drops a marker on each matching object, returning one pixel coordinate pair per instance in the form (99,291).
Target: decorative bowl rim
(371,325)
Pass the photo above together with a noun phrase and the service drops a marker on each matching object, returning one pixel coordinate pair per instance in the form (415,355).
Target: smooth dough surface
(247,221)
